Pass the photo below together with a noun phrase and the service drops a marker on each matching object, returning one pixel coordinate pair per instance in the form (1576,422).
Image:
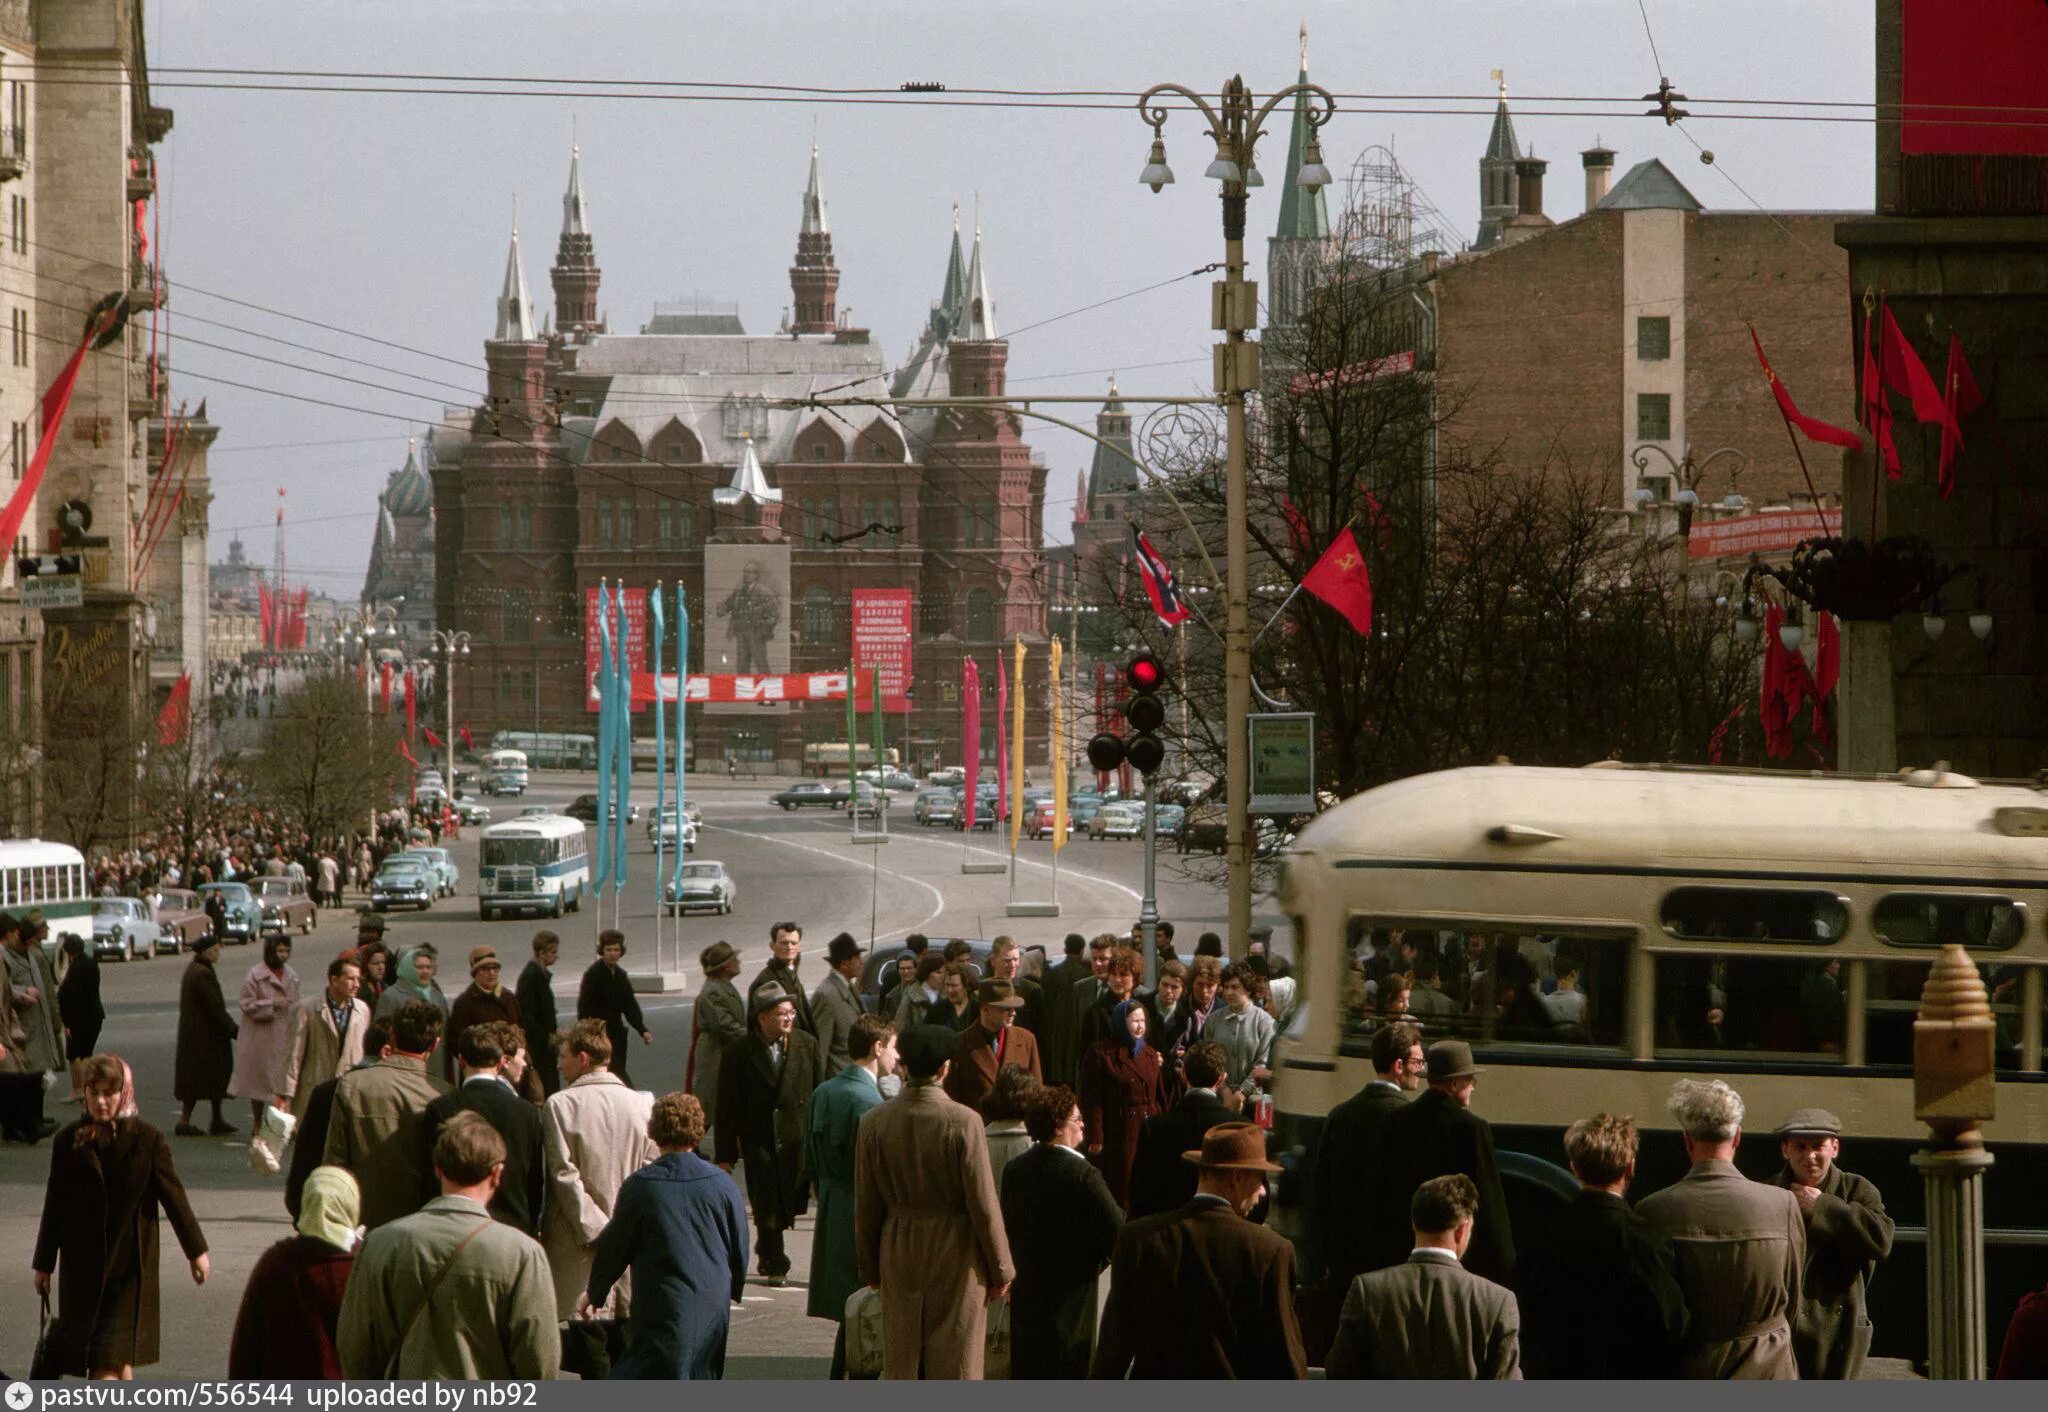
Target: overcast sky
(388,215)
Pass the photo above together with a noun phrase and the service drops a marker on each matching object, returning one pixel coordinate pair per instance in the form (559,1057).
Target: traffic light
(1145,712)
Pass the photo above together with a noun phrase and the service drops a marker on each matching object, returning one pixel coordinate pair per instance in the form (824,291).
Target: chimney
(1529,185)
(1599,163)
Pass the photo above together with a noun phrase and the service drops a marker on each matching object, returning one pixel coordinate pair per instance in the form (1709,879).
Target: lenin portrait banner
(745,614)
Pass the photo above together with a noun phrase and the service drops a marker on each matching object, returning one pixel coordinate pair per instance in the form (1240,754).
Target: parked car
(585,808)
(988,809)
(402,882)
(1205,830)
(1118,819)
(704,886)
(668,828)
(952,775)
(812,794)
(181,920)
(1083,806)
(286,904)
(123,929)
(881,959)
(244,920)
(935,806)
(1170,819)
(869,802)
(534,811)
(440,865)
(471,811)
(1039,816)
(899,782)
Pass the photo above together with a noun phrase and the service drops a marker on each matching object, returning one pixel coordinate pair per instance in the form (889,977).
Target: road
(789,866)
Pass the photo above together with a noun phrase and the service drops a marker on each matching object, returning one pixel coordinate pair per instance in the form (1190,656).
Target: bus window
(1895,988)
(1758,1004)
(1981,923)
(1754,914)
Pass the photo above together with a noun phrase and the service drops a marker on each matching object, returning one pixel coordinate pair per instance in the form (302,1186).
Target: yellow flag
(1056,751)
(1017,749)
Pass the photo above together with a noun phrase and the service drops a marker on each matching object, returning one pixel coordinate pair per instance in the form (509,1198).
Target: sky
(388,215)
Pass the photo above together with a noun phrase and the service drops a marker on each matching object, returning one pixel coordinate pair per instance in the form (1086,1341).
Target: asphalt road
(789,866)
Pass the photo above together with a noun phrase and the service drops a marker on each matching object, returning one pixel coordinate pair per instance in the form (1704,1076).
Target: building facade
(401,572)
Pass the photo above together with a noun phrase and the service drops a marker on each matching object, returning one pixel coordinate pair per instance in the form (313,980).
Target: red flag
(433,741)
(263,610)
(1814,427)
(176,718)
(1340,579)
(1904,372)
(56,399)
(1297,524)
(1877,412)
(1159,584)
(1963,398)
(411,711)
(406,751)
(384,685)
(468,741)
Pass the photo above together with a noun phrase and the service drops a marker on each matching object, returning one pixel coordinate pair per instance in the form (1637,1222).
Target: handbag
(47,1365)
(427,1299)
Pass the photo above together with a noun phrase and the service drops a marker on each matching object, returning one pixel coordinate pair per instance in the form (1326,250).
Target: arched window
(981,615)
(821,626)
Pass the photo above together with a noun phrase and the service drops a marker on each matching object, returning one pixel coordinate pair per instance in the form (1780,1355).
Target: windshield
(701,870)
(231,892)
(518,852)
(399,867)
(116,907)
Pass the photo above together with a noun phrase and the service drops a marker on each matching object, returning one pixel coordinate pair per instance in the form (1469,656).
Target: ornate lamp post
(361,628)
(1953,1093)
(1688,474)
(448,645)
(1236,126)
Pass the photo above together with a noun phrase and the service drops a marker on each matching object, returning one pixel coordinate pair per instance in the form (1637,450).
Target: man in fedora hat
(993,1040)
(1201,1292)
(1438,1135)
(1847,1233)
(764,1092)
(928,1230)
(717,1022)
(835,1005)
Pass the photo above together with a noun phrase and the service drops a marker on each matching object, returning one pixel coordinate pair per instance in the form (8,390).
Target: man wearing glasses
(1350,1150)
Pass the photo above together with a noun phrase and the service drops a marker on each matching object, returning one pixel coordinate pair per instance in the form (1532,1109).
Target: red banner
(636,641)
(881,640)
(1765,532)
(176,718)
(732,687)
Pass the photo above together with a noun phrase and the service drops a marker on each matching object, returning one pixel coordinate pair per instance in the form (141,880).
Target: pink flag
(970,738)
(1002,755)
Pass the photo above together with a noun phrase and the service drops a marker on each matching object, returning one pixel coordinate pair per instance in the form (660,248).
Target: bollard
(1953,1093)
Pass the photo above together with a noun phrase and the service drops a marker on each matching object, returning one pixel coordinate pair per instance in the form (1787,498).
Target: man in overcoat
(764,1090)
(1161,1177)
(717,1021)
(325,1039)
(491,1054)
(536,994)
(1740,1245)
(206,1042)
(834,1004)
(1847,1233)
(1063,1223)
(786,945)
(831,1133)
(1059,1024)
(1434,1136)
(1348,1155)
(993,1040)
(375,1128)
(928,1227)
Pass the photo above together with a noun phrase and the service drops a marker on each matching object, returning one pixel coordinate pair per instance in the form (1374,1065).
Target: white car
(1118,819)
(123,928)
(666,829)
(704,886)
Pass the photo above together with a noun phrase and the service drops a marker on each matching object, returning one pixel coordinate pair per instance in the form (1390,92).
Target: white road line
(938,898)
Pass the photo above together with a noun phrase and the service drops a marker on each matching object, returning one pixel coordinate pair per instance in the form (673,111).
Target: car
(812,794)
(869,802)
(935,806)
(899,782)
(244,920)
(124,929)
(704,886)
(952,776)
(988,808)
(182,922)
(585,808)
(668,828)
(471,812)
(440,865)
(402,882)
(1039,816)
(286,904)
(1206,829)
(1118,819)
(534,811)
(1169,819)
(1083,807)
(429,775)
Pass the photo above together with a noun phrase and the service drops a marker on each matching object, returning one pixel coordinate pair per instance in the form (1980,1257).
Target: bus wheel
(558,906)
(486,913)
(576,900)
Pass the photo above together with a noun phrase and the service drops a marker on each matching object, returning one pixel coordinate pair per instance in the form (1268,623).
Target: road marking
(938,898)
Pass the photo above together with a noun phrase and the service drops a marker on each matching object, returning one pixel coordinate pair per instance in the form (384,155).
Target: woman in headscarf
(413,979)
(1121,1086)
(270,992)
(293,1303)
(109,1174)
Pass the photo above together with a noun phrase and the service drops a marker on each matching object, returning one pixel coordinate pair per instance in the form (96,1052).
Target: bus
(504,772)
(550,750)
(1767,928)
(535,863)
(827,759)
(39,876)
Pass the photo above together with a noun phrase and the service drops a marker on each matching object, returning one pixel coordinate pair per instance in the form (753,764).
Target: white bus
(1767,928)
(535,863)
(38,876)
(504,772)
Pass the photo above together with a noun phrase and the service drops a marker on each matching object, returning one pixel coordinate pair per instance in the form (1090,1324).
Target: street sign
(1283,762)
(51,581)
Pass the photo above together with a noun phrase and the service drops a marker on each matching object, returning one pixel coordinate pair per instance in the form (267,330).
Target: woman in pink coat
(270,992)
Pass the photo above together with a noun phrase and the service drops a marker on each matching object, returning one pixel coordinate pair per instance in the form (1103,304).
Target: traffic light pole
(1148,909)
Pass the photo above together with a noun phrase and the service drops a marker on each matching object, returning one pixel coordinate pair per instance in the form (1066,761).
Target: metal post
(1148,908)
(1953,1093)
(1237,628)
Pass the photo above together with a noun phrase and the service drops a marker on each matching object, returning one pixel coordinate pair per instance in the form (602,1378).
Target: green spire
(1303,215)
(955,293)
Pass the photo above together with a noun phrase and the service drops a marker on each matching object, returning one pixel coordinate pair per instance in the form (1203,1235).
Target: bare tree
(326,759)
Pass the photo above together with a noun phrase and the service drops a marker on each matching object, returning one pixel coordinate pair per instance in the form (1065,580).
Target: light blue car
(244,922)
(440,865)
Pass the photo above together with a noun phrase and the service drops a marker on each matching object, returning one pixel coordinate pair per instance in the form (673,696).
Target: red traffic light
(1145,673)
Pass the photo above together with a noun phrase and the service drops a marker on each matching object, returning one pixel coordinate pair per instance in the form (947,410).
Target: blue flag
(657,630)
(605,692)
(622,741)
(682,685)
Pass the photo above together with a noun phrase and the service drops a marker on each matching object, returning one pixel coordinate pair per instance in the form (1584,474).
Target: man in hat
(369,925)
(717,1022)
(486,1000)
(1202,1292)
(764,1090)
(993,1040)
(786,947)
(835,1004)
(1438,1135)
(928,1230)
(1847,1233)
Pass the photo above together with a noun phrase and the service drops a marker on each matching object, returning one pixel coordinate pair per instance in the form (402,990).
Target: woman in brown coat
(1121,1086)
(206,1043)
(108,1176)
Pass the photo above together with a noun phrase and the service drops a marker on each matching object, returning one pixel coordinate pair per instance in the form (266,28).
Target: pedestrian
(913,947)
(717,1021)
(309,1139)
(483,1001)
(955,1008)
(1349,1153)
(1847,1233)
(414,983)
(1088,988)
(1006,963)
(993,1041)
(606,994)
(376,964)
(835,1004)
(596,1134)
(1431,1317)
(1205,978)
(1739,1245)
(831,1128)
(786,948)
(1002,1116)
(1119,983)
(270,992)
(21,1090)
(375,1128)
(1600,1265)
(1063,1223)
(1169,1008)
(928,1227)
(536,996)
(329,879)
(36,1018)
(924,995)
(291,1307)
(680,1229)
(324,1036)
(110,1173)
(492,1065)
(1203,1293)
(80,1009)
(448,1292)
(1059,1026)
(1438,1135)
(1121,1086)
(1161,1179)
(1246,1034)
(2025,1352)
(206,1043)
(764,1089)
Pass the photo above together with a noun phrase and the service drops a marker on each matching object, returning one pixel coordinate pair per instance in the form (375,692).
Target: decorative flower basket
(1862,582)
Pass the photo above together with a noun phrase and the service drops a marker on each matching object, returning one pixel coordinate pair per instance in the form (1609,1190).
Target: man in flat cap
(1847,1233)
(928,1230)
(764,1092)
(1438,1135)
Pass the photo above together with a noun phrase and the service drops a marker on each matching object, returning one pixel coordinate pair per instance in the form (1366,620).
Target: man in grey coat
(718,1020)
(1430,1317)
(834,1005)
(1739,1245)
(1847,1233)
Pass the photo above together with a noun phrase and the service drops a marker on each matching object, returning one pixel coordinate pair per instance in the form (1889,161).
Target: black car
(585,808)
(816,793)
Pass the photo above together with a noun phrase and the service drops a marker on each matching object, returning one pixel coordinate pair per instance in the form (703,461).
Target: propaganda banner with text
(634,648)
(881,641)
(731,688)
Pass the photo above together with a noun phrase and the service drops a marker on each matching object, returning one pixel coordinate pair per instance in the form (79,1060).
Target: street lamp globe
(1313,176)
(1252,177)
(1791,635)
(1157,174)
(1224,167)
(1687,497)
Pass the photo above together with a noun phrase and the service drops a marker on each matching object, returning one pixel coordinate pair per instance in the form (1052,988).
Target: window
(892,514)
(17,452)
(686,524)
(1653,416)
(515,616)
(1755,914)
(20,331)
(1760,1004)
(504,526)
(1653,338)
(525,526)
(1936,919)
(870,513)
(981,615)
(1894,1002)
(828,518)
(665,525)
(18,226)
(605,531)
(821,625)
(625,524)
(515,686)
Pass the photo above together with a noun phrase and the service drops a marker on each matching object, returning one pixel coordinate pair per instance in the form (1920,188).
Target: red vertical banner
(411,710)
(881,641)
(636,642)
(384,686)
(1101,717)
(970,739)
(175,719)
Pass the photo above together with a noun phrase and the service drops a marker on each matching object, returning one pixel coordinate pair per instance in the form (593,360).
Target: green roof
(1303,215)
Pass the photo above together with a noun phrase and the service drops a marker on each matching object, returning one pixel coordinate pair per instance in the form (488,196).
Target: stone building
(401,572)
(643,457)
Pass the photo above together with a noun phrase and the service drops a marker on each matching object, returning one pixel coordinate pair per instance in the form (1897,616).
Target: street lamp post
(1688,473)
(1235,127)
(361,627)
(448,645)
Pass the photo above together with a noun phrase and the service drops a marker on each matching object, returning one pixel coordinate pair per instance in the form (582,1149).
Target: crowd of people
(479,1190)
